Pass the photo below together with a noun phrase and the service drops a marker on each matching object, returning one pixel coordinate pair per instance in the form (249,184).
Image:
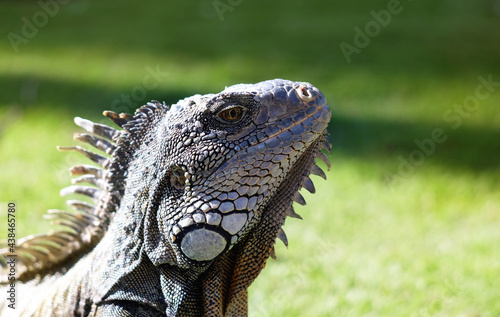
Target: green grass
(423,245)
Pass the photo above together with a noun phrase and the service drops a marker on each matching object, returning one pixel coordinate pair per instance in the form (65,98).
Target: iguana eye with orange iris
(232,114)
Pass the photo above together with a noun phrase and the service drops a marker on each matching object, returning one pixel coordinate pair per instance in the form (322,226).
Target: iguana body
(191,202)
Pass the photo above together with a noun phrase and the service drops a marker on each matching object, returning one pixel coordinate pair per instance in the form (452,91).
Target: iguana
(188,204)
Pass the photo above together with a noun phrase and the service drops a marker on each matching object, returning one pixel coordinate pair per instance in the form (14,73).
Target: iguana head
(212,163)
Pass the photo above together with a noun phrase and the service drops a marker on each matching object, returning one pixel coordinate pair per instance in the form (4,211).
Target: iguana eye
(232,114)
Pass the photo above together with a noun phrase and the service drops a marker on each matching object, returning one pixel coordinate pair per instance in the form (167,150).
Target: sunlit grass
(424,248)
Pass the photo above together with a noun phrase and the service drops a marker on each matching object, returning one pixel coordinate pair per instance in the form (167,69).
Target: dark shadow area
(78,98)
(442,37)
(475,149)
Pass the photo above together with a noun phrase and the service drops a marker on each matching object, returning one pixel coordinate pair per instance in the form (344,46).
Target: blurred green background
(397,230)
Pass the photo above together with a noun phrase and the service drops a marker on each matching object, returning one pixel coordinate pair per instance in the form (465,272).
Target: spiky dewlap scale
(188,202)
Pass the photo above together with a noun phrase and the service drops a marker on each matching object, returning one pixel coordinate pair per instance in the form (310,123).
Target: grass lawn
(408,223)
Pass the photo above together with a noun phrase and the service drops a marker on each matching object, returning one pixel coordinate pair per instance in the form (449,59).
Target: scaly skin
(193,201)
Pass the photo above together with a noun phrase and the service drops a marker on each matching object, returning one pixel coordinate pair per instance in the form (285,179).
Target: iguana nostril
(304,93)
